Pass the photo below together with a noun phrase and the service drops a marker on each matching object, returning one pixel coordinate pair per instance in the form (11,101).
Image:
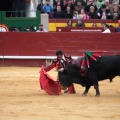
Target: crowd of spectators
(80,9)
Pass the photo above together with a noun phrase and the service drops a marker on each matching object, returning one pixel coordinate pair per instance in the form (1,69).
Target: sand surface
(22,99)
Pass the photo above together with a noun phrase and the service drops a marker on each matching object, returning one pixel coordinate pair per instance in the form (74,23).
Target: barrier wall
(25,49)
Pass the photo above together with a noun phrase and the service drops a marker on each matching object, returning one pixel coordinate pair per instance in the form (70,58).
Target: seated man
(48,8)
(60,62)
(80,24)
(41,28)
(58,14)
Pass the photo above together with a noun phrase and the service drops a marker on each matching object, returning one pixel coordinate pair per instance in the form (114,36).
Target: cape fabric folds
(48,84)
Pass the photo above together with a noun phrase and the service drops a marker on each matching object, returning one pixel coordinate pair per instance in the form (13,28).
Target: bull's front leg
(86,90)
(96,86)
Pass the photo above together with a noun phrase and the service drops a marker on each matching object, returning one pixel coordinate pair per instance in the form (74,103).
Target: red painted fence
(45,44)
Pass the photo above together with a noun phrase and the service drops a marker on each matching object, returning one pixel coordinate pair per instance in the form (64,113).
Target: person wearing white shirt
(106,28)
(41,28)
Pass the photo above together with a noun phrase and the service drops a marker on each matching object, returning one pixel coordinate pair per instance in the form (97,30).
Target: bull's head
(64,79)
(71,74)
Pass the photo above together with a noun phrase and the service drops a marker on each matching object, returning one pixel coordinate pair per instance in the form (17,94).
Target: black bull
(106,67)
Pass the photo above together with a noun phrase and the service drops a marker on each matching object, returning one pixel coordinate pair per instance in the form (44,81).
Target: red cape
(48,84)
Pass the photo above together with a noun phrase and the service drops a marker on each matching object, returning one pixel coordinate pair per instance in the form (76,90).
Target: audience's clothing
(48,8)
(58,14)
(117,29)
(83,17)
(115,1)
(80,25)
(116,15)
(104,15)
(106,31)
(44,30)
(88,8)
(78,8)
(92,15)
(68,14)
(99,4)
(71,6)
(39,7)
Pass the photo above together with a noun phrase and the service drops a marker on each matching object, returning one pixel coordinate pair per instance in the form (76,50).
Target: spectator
(91,3)
(100,3)
(104,13)
(48,8)
(40,6)
(79,6)
(66,1)
(83,15)
(71,4)
(19,7)
(69,23)
(68,13)
(116,13)
(115,2)
(118,28)
(108,5)
(94,25)
(82,1)
(75,15)
(59,13)
(106,28)
(56,3)
(41,28)
(15,29)
(29,29)
(92,13)
(80,24)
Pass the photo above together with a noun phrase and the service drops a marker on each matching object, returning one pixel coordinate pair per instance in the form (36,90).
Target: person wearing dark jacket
(58,13)
(68,13)
(69,3)
(92,13)
(104,13)
(79,23)
(39,7)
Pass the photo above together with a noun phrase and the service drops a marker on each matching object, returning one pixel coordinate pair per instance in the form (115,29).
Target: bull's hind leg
(86,90)
(93,77)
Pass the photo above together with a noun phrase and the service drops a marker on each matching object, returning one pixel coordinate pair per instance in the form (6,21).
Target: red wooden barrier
(45,44)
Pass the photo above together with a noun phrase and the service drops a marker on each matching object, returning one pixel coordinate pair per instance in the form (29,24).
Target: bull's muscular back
(106,67)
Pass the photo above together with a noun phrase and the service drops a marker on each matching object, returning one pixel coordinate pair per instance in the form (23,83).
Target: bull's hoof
(97,95)
(84,94)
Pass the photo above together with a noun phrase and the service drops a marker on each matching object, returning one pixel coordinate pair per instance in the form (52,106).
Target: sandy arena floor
(22,99)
